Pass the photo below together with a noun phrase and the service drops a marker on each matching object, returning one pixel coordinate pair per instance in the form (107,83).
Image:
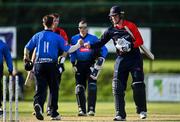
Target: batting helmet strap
(28,66)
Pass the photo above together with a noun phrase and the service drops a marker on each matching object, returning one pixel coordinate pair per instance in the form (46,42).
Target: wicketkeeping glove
(61,64)
(61,68)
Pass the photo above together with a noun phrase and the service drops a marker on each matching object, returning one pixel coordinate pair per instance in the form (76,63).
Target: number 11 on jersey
(46,47)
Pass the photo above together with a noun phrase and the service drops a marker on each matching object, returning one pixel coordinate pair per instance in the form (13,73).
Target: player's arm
(8,58)
(67,48)
(137,36)
(104,51)
(31,73)
(99,63)
(33,55)
(73,57)
(62,58)
(29,47)
(102,41)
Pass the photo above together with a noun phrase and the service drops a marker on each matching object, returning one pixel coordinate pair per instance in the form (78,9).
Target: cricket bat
(29,76)
(147,52)
(30,73)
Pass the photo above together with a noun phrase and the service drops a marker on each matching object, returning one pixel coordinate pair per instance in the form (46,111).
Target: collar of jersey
(48,30)
(84,36)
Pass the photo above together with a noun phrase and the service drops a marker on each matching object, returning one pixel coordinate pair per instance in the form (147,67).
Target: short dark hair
(83,21)
(48,20)
(56,15)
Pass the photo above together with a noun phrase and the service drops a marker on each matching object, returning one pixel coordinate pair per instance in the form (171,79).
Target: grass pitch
(161,112)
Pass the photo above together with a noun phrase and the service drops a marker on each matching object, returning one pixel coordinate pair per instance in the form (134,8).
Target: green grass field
(105,79)
(105,110)
(161,112)
(162,65)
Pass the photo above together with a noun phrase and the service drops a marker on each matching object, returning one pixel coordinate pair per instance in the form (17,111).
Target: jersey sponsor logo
(82,49)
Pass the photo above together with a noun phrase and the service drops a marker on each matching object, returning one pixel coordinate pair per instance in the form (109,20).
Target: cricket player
(83,60)
(4,54)
(129,60)
(47,44)
(62,56)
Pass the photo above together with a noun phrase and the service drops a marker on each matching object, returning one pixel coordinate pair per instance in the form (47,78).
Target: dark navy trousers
(83,73)
(123,66)
(82,77)
(46,76)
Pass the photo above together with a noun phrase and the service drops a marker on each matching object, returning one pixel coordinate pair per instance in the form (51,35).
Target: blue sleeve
(104,51)
(62,44)
(8,58)
(32,43)
(72,55)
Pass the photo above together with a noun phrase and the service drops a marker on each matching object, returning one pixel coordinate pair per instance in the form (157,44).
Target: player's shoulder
(59,30)
(3,44)
(108,30)
(92,36)
(40,33)
(129,23)
(77,36)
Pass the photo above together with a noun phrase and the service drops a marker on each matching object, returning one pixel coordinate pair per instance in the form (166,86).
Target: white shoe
(143,115)
(91,113)
(58,117)
(119,118)
(34,113)
(1,112)
(81,113)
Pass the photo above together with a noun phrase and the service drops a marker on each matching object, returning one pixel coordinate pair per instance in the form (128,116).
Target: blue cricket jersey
(85,54)
(47,44)
(5,52)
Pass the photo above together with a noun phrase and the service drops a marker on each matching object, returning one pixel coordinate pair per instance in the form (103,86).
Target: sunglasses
(82,27)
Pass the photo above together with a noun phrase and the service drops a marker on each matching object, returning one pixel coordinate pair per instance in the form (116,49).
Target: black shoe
(38,111)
